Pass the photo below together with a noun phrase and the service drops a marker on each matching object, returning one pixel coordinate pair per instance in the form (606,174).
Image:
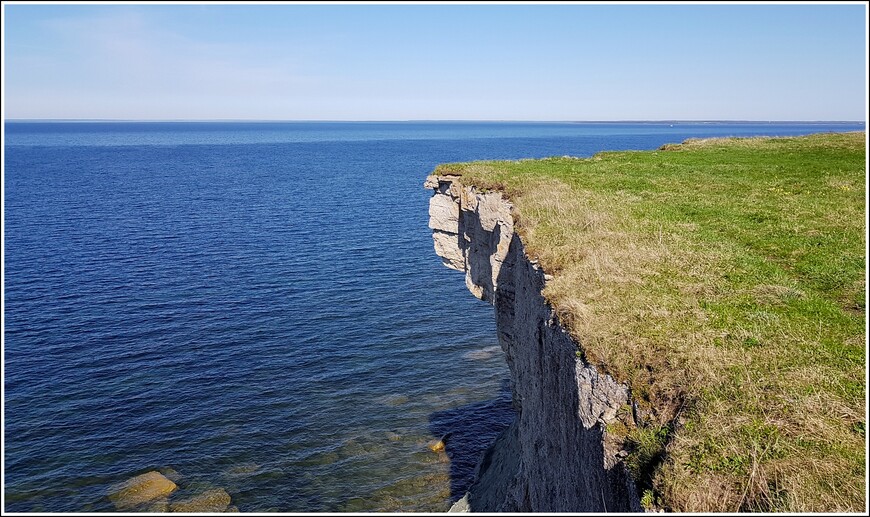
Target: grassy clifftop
(724,281)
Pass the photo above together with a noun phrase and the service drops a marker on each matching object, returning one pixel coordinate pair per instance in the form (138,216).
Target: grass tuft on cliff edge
(724,281)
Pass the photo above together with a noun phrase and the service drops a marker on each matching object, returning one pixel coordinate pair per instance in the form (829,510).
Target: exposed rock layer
(553,458)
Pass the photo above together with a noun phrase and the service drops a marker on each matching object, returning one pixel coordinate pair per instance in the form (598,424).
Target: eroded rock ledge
(556,456)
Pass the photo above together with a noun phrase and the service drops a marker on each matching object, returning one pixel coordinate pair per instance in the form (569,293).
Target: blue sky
(441,62)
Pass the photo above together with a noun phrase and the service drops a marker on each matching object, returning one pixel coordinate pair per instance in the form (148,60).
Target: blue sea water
(256,307)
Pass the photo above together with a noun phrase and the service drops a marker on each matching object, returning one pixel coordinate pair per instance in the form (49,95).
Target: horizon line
(613,121)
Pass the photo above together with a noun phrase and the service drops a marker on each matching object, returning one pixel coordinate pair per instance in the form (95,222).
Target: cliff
(720,282)
(557,455)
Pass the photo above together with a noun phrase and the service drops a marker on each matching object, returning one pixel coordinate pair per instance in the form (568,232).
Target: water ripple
(257,307)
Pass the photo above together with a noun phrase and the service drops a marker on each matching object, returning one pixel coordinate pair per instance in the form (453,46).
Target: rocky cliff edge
(557,455)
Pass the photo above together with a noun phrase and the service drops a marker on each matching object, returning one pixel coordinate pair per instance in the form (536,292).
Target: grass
(724,281)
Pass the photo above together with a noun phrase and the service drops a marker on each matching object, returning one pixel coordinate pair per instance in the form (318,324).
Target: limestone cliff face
(555,456)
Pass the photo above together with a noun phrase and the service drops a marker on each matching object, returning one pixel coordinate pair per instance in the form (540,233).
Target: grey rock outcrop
(555,456)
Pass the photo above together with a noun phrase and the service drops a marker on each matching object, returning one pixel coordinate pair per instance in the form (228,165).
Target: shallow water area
(255,308)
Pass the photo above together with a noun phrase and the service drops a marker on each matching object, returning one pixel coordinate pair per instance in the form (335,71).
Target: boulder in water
(140,489)
(439,446)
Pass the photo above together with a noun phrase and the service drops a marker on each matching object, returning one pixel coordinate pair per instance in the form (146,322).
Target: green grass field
(724,281)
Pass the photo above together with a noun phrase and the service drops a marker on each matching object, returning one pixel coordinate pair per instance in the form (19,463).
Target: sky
(435,62)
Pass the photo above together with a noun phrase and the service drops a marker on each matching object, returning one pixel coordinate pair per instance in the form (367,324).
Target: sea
(256,307)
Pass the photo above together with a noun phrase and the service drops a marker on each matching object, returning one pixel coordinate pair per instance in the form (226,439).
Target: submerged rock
(158,506)
(482,354)
(141,489)
(395,400)
(243,469)
(217,500)
(171,474)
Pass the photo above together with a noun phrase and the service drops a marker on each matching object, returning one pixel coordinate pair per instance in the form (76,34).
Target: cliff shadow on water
(467,431)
